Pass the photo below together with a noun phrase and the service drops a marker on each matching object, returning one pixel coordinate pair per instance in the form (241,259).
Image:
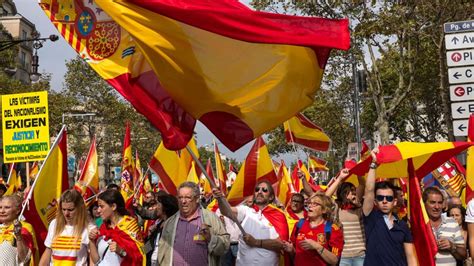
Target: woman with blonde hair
(316,240)
(67,241)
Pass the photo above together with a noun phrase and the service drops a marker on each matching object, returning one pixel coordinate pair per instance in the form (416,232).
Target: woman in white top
(67,241)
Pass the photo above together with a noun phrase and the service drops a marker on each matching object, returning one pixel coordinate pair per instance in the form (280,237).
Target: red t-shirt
(312,257)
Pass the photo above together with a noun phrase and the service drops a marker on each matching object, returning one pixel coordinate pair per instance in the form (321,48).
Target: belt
(234,243)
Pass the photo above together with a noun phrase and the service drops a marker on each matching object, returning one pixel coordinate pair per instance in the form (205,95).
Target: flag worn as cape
(51,182)
(88,182)
(257,166)
(205,45)
(299,129)
(29,239)
(113,54)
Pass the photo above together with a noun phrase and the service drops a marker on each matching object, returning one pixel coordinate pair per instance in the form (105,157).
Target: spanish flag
(128,168)
(250,70)
(469,194)
(172,166)
(301,130)
(297,183)
(113,53)
(192,175)
(14,181)
(257,166)
(285,186)
(316,164)
(220,170)
(88,182)
(47,188)
(34,170)
(205,185)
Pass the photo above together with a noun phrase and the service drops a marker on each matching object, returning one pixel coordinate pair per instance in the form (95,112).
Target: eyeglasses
(313,203)
(264,189)
(382,197)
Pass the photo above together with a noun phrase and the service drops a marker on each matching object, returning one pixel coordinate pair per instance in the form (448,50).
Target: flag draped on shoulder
(299,129)
(51,182)
(112,52)
(205,45)
(128,168)
(88,182)
(257,166)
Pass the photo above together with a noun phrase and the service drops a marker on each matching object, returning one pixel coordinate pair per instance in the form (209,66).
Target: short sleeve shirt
(448,229)
(255,224)
(65,246)
(470,212)
(385,246)
(313,257)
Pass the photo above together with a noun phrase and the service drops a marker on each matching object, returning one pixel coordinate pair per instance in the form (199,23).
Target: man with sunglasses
(295,210)
(389,241)
(265,226)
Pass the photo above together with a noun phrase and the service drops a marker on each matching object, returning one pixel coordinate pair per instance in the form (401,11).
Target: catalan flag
(257,166)
(301,130)
(128,168)
(206,45)
(220,170)
(450,178)
(113,53)
(47,188)
(88,182)
(316,164)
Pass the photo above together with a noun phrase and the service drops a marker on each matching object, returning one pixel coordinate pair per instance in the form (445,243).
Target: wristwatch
(453,248)
(123,253)
(373,165)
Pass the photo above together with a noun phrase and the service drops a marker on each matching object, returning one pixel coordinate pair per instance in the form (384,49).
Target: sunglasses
(382,197)
(264,189)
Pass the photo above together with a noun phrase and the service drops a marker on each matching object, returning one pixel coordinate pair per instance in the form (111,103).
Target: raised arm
(337,181)
(369,196)
(228,212)
(306,186)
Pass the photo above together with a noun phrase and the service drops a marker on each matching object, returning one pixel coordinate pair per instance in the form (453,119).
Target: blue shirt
(385,246)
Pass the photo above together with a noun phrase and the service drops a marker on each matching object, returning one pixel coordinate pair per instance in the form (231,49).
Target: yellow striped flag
(220,170)
(88,182)
(205,45)
(469,194)
(47,188)
(257,166)
(128,168)
(301,130)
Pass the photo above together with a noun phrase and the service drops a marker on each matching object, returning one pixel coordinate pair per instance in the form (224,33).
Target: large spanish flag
(257,166)
(128,168)
(112,52)
(300,130)
(250,70)
(88,182)
(51,182)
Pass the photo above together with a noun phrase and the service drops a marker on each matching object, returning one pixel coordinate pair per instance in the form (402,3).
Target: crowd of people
(343,225)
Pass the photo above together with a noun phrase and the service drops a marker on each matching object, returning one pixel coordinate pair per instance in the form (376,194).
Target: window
(23,59)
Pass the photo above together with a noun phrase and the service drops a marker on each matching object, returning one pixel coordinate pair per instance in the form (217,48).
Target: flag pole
(223,203)
(11,172)
(135,188)
(25,203)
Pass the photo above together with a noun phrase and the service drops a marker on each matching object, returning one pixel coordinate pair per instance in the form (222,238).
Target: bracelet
(322,250)
(373,165)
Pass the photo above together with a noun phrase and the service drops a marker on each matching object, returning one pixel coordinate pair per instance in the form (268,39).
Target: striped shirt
(65,249)
(448,229)
(354,234)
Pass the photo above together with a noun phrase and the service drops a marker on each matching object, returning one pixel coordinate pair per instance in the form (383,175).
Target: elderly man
(265,226)
(448,235)
(193,236)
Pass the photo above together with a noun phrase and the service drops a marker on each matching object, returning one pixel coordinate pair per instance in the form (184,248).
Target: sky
(53,56)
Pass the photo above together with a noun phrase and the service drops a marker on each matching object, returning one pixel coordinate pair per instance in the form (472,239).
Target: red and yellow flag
(257,166)
(205,185)
(298,183)
(192,175)
(301,130)
(220,170)
(128,167)
(206,45)
(34,170)
(285,186)
(112,52)
(316,164)
(172,166)
(469,194)
(423,238)
(88,182)
(13,182)
(51,182)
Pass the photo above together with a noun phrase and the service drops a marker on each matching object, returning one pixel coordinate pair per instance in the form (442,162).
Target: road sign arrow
(457,75)
(456,57)
(460,109)
(462,127)
(455,40)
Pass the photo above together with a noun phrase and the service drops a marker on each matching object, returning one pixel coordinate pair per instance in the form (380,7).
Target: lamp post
(37,44)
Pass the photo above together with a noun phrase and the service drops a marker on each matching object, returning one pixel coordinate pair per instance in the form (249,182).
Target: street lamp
(37,44)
